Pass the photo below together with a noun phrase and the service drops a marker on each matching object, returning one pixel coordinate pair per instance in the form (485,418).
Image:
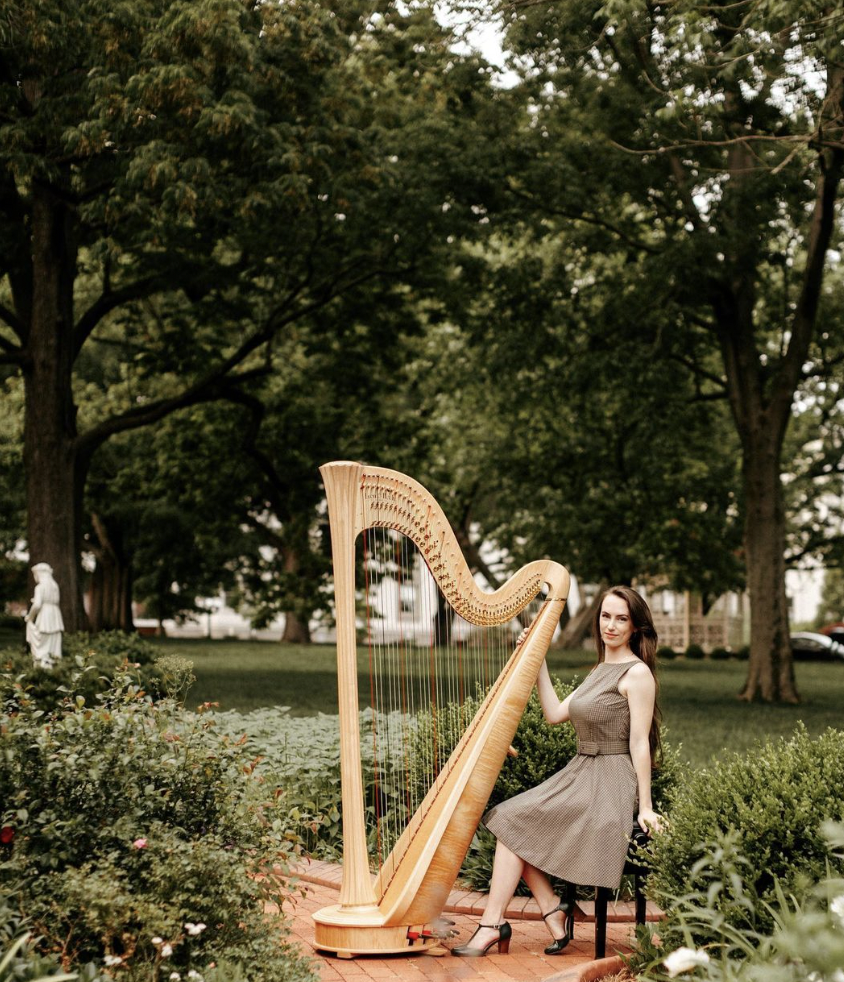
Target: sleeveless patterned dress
(577,824)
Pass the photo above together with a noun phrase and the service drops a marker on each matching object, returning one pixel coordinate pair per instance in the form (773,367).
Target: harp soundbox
(388,910)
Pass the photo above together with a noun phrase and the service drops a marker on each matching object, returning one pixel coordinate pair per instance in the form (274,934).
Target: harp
(386,912)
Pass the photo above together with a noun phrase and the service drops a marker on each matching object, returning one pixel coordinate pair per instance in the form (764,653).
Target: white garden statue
(44,624)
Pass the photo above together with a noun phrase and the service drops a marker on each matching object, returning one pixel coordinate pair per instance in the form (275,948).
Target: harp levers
(448,686)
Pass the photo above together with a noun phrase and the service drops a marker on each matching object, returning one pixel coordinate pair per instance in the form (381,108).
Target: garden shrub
(127,824)
(299,759)
(88,665)
(665,653)
(742,653)
(775,799)
(719,654)
(695,652)
(805,943)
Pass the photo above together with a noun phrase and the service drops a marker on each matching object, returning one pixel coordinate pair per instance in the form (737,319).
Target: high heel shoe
(505,932)
(560,943)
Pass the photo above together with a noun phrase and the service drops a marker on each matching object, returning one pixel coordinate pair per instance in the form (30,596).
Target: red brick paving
(526,961)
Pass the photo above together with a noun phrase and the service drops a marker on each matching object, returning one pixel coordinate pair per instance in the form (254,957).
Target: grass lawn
(700,707)
(698,697)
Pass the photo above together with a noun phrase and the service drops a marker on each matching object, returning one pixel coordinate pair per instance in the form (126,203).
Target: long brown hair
(643,644)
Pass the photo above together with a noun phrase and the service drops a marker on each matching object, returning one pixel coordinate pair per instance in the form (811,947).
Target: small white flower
(166,950)
(175,977)
(194,929)
(446,206)
(157,940)
(340,217)
(112,960)
(836,907)
(393,159)
(193,974)
(838,975)
(684,959)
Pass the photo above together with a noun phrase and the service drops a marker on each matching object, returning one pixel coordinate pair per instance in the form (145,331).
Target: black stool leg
(602,895)
(641,903)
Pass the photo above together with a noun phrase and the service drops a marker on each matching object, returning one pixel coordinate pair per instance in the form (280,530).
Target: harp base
(347,940)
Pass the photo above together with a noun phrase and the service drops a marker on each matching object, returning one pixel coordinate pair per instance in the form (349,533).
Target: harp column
(342,483)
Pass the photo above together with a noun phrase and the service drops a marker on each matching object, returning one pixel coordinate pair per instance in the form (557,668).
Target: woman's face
(616,623)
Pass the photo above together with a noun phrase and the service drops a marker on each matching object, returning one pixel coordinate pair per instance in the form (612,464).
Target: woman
(577,824)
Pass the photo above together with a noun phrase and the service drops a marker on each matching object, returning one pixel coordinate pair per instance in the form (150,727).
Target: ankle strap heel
(505,932)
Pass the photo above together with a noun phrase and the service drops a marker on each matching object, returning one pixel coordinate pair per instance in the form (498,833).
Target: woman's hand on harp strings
(520,639)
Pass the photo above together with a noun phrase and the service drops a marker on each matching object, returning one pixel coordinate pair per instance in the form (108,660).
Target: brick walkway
(525,962)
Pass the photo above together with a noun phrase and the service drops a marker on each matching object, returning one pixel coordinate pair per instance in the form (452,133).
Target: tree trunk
(579,625)
(110,607)
(296,629)
(770,674)
(53,484)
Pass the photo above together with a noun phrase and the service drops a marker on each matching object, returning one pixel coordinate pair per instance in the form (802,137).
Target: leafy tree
(186,181)
(704,144)
(832,599)
(549,438)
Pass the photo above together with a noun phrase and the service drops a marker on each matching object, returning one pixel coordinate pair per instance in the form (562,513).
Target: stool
(633,866)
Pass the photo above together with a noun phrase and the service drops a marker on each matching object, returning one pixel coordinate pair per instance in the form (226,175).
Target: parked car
(808,646)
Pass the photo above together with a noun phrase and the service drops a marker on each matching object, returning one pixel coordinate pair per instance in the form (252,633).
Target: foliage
(165,146)
(300,758)
(695,651)
(136,832)
(665,653)
(774,801)
(831,608)
(719,654)
(110,644)
(19,964)
(806,941)
(88,666)
(671,162)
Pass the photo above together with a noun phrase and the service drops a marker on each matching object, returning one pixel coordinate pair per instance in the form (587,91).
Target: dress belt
(589,748)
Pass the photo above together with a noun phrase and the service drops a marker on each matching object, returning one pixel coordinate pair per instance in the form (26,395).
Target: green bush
(89,663)
(742,653)
(775,800)
(805,943)
(665,653)
(127,823)
(719,654)
(695,652)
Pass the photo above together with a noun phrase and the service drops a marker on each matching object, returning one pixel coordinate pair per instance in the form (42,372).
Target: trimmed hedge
(775,801)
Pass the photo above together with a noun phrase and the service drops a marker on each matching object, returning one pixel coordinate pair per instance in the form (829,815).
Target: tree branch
(108,301)
(698,371)
(820,235)
(209,387)
(12,320)
(578,216)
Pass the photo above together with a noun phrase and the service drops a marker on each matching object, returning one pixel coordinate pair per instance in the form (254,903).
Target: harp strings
(425,670)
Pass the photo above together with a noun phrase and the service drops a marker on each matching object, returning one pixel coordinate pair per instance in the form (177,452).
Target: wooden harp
(387,912)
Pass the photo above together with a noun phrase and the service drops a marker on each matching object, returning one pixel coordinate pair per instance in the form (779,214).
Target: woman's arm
(640,688)
(553,710)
